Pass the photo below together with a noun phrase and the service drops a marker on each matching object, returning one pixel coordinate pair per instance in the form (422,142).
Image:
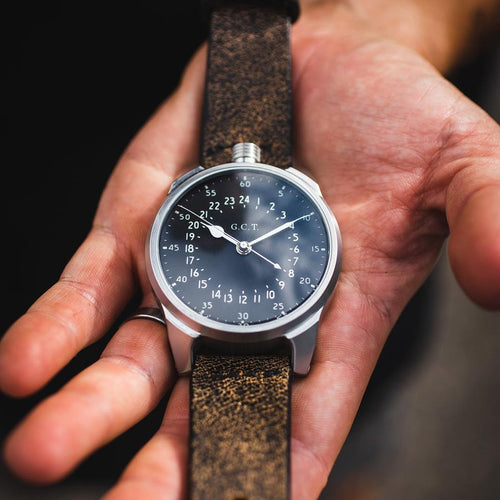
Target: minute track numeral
(174,247)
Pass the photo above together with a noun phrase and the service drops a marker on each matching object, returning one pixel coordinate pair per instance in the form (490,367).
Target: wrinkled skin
(403,159)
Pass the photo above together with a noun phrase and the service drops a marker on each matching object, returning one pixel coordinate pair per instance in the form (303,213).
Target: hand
(402,158)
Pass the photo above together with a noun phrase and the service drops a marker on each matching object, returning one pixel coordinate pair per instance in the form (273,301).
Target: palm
(374,125)
(371,128)
(377,126)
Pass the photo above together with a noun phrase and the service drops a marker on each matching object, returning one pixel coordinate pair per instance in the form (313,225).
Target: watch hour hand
(215,231)
(218,232)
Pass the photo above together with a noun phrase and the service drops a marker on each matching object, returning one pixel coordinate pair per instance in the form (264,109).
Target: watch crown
(246,152)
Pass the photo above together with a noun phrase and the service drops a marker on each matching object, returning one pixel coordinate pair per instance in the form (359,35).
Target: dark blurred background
(81,79)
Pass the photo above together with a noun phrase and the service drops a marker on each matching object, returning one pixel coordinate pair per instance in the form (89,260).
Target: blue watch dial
(244,247)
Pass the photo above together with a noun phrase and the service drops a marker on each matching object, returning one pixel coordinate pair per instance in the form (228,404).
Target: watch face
(243,246)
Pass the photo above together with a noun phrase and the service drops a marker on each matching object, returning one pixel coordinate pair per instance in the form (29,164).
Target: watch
(242,257)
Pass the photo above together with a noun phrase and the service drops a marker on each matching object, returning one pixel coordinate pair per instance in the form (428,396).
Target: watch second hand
(218,232)
(279,228)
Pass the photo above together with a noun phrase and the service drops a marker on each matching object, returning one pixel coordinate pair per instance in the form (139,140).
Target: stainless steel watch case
(299,327)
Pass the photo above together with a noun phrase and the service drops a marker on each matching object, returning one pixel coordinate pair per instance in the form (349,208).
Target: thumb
(473,212)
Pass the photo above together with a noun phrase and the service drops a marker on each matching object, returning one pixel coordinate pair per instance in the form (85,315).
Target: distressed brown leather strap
(240,425)
(248,89)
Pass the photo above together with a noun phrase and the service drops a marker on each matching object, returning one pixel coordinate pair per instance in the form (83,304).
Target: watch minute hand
(279,229)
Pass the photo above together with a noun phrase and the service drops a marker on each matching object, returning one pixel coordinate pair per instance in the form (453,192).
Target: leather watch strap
(240,427)
(240,416)
(248,84)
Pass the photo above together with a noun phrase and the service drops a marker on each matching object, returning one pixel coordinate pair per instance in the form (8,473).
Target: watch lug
(305,178)
(181,346)
(303,345)
(184,178)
